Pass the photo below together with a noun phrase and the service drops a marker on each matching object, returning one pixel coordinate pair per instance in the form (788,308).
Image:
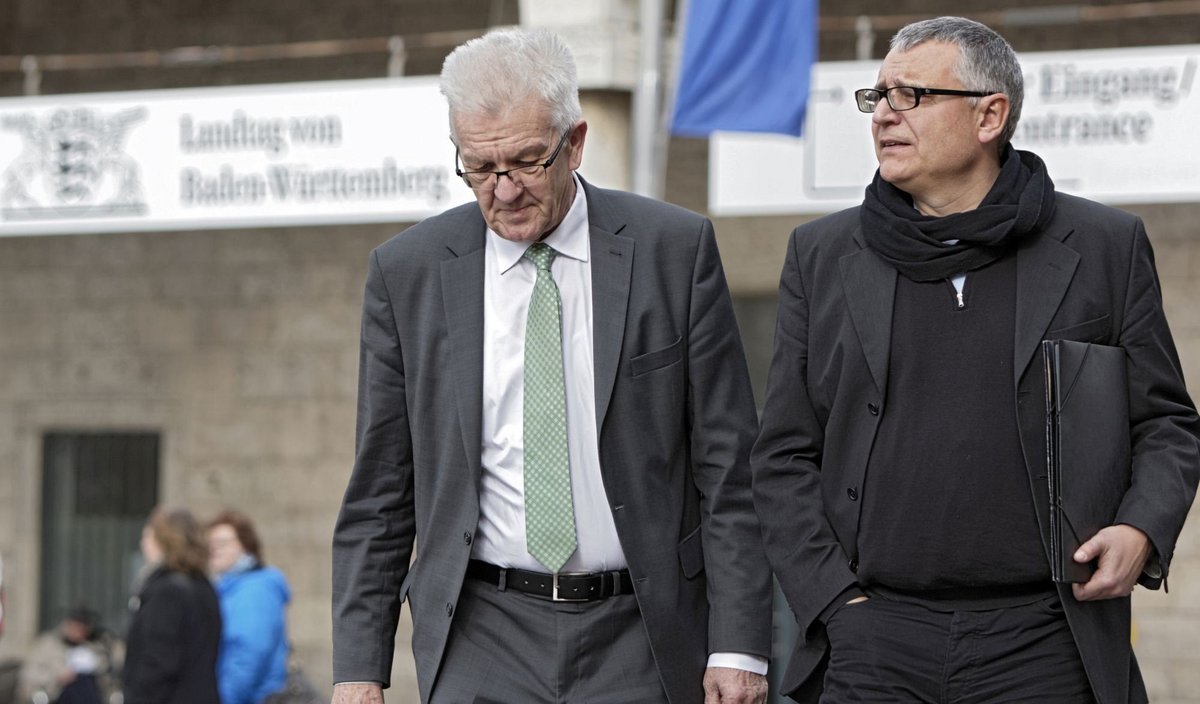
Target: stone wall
(239,347)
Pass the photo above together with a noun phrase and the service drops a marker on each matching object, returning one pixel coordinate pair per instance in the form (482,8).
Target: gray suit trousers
(506,647)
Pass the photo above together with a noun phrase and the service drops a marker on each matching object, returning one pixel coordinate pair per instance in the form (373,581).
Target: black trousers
(883,650)
(84,689)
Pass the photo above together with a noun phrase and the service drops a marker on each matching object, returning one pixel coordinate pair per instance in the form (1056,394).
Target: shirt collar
(569,239)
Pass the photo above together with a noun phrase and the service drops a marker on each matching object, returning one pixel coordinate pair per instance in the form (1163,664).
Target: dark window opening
(97,490)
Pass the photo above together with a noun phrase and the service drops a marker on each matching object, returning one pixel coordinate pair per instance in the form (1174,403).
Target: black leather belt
(564,586)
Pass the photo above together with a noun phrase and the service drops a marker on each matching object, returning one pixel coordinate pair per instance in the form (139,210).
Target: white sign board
(1116,125)
(301,153)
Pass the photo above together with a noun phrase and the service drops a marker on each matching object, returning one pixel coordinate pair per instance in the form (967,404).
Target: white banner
(301,153)
(1114,125)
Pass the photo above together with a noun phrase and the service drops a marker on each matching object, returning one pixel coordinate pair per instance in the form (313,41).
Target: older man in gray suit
(553,397)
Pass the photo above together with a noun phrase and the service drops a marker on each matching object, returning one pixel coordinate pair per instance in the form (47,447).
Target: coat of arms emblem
(72,165)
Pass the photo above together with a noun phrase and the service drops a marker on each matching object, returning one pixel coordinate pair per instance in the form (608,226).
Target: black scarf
(1020,202)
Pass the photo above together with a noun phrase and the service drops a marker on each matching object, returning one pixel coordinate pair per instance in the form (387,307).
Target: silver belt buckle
(554,586)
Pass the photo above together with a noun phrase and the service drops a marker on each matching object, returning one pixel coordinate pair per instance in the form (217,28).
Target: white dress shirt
(508,283)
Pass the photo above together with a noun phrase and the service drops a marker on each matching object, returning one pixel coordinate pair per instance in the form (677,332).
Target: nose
(884,114)
(507,190)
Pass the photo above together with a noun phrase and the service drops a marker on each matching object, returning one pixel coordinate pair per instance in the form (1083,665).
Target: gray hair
(507,68)
(987,62)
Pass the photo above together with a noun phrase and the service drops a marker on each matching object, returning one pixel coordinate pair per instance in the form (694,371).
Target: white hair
(507,68)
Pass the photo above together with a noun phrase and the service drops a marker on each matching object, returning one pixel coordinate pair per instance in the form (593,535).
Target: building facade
(217,368)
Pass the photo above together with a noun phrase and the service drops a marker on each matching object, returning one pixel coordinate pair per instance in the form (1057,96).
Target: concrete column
(602,34)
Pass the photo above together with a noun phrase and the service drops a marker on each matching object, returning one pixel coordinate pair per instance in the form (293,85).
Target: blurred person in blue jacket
(252,664)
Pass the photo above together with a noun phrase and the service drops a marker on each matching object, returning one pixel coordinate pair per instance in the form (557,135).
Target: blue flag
(746,66)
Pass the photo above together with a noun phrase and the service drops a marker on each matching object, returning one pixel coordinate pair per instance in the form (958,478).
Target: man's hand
(728,685)
(357,694)
(1122,551)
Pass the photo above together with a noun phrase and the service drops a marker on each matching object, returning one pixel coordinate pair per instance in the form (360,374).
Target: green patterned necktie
(549,510)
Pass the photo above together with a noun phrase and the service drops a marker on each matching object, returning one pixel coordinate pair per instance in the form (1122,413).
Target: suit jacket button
(852,493)
(854,564)
(873,409)
(467,537)
(449,610)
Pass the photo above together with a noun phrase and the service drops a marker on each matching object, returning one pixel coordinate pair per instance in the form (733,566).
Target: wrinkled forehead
(514,135)
(514,114)
(928,65)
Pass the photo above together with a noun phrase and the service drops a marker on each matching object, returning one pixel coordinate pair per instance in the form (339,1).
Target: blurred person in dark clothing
(176,628)
(72,663)
(252,663)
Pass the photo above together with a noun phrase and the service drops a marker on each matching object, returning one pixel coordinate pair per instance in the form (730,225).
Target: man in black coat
(900,469)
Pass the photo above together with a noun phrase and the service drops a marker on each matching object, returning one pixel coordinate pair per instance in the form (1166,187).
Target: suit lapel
(612,269)
(1045,267)
(870,289)
(462,300)
(612,265)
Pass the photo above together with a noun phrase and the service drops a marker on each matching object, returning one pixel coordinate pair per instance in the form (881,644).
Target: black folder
(1087,446)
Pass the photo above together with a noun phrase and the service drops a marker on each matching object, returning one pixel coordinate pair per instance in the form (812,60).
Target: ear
(992,112)
(575,142)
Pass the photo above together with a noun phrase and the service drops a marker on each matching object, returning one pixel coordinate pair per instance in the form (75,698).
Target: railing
(396,47)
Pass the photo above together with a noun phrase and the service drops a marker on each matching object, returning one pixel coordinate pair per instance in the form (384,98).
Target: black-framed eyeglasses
(519,175)
(901,98)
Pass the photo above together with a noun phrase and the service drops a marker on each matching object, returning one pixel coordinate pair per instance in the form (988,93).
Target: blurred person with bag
(253,659)
(72,663)
(176,628)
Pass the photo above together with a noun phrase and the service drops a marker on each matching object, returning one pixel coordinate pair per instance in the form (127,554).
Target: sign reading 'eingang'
(1114,125)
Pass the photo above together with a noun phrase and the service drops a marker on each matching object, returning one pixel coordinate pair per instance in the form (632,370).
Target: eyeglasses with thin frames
(900,98)
(520,175)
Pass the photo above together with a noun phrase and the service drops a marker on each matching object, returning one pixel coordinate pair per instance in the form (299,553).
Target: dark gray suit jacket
(675,416)
(1089,276)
